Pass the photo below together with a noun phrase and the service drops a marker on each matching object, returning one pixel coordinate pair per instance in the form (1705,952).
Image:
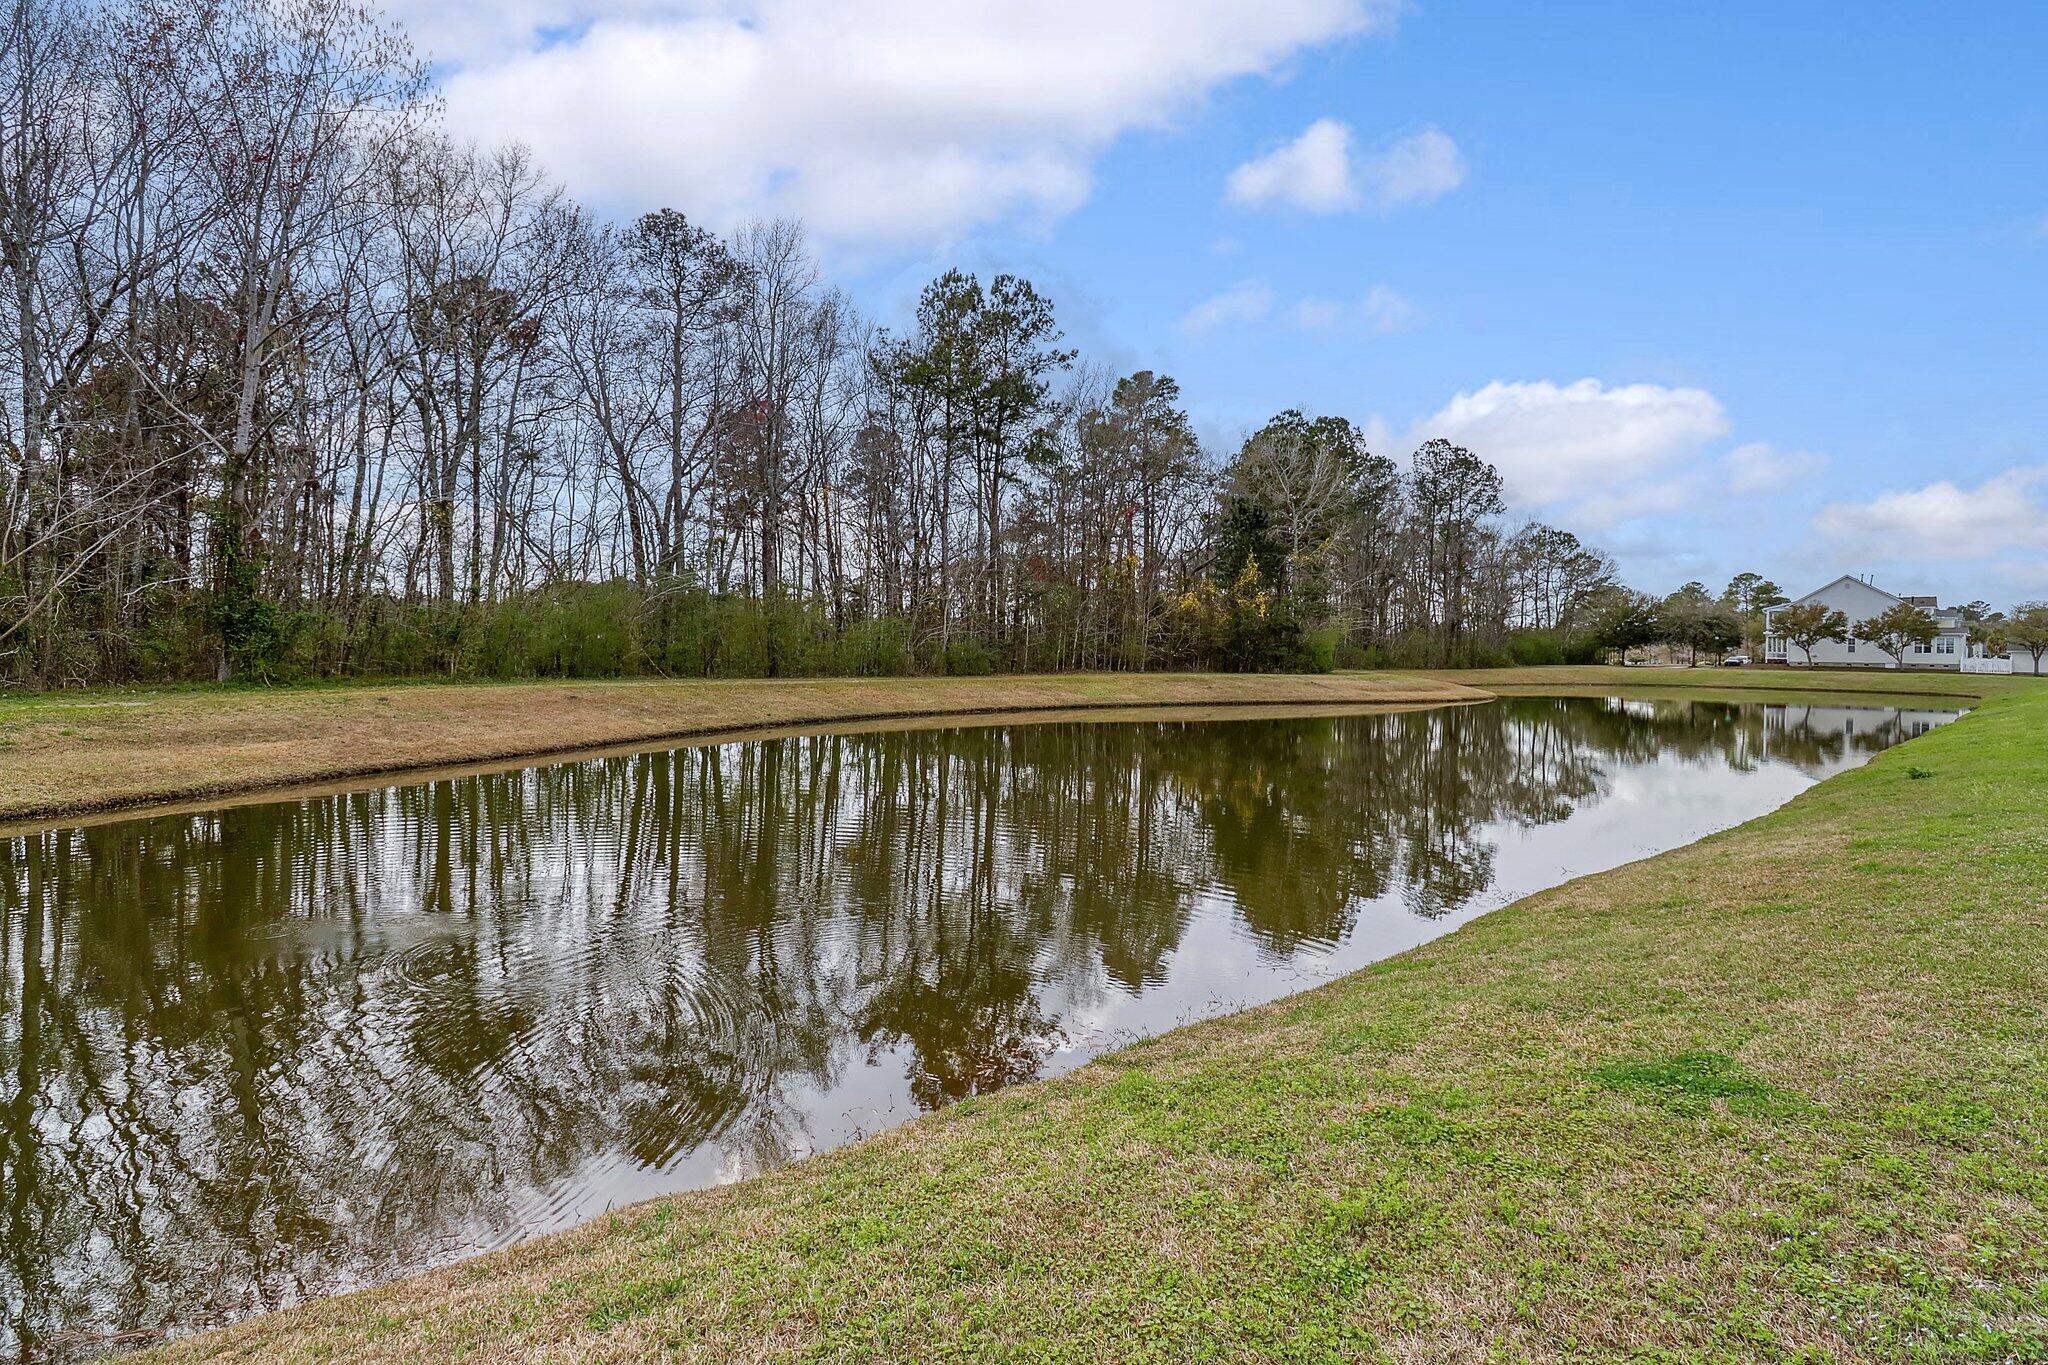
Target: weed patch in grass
(1690,1082)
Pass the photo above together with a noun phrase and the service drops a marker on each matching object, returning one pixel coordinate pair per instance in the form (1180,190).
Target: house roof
(1837,582)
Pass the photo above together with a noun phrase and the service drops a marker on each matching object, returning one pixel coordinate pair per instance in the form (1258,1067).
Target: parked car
(1735,661)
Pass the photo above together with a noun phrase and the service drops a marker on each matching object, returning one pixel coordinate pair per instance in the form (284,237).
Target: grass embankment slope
(1782,1093)
(74,753)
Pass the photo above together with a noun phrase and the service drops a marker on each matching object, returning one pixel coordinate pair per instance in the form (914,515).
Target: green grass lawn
(1780,1094)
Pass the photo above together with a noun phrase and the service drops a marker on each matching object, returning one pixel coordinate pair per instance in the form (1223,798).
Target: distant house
(1860,601)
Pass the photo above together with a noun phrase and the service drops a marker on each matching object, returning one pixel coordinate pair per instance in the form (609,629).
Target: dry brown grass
(74,754)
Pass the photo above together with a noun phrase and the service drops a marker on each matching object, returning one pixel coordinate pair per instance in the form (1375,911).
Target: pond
(257,1054)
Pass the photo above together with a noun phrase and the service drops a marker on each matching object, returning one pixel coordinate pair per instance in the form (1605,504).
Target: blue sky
(1720,286)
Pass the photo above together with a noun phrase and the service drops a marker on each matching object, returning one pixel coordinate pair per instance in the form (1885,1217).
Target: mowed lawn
(1780,1094)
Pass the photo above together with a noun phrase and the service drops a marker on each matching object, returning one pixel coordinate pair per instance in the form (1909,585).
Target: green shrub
(875,649)
(968,658)
(1531,648)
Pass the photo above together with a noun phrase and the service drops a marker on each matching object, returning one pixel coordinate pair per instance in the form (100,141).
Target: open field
(74,753)
(1779,1094)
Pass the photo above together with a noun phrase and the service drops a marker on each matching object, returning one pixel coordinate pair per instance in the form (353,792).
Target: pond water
(257,1054)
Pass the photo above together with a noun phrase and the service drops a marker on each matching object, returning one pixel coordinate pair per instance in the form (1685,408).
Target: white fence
(1987,665)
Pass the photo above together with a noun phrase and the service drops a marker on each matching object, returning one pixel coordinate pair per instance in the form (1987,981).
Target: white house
(1860,601)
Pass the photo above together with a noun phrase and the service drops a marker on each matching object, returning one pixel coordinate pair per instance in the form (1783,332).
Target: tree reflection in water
(261,1053)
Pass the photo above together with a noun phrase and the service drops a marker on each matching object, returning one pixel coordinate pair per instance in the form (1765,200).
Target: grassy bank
(76,753)
(1781,1094)
(73,753)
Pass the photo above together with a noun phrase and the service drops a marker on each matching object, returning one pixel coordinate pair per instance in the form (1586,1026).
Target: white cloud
(882,121)
(1246,302)
(1759,467)
(1944,522)
(1577,442)
(1318,314)
(1419,169)
(1382,309)
(1386,310)
(1313,172)
(1320,172)
(1378,436)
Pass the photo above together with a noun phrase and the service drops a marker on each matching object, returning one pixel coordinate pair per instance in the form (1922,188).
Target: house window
(1852,644)
(1945,645)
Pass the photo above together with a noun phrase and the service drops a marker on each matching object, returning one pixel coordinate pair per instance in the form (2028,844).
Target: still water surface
(257,1054)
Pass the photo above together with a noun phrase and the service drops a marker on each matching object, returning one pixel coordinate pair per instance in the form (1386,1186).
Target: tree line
(298,386)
